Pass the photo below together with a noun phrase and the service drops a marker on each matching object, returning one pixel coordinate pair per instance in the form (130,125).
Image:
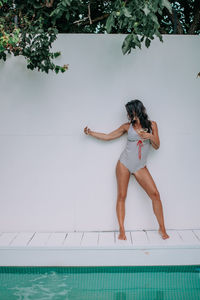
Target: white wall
(54,177)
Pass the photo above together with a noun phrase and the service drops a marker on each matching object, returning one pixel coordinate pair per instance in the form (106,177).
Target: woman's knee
(155,194)
(121,196)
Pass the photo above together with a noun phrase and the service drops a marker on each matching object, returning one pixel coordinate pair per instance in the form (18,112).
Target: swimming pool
(101,283)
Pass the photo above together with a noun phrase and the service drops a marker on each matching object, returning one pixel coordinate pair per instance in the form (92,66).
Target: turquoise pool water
(100,283)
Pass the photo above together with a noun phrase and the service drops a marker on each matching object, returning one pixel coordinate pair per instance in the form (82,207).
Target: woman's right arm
(107,136)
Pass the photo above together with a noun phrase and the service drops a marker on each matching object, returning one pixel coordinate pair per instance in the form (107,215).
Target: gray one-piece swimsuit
(136,152)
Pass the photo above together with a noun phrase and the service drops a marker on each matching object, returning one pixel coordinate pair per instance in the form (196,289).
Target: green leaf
(67,16)
(159,35)
(142,39)
(127,12)
(136,41)
(57,68)
(37,6)
(146,10)
(56,54)
(109,22)
(126,43)
(62,69)
(154,6)
(147,42)
(167,4)
(68,2)
(154,18)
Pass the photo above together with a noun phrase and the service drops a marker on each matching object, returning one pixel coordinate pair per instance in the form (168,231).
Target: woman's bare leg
(123,175)
(145,179)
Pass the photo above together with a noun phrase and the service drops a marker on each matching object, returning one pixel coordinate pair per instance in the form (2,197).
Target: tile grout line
(196,235)
(31,238)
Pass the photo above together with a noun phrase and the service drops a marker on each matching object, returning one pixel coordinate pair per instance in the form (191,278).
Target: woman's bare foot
(163,234)
(122,235)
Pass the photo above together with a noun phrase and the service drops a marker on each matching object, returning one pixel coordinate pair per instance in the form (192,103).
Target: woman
(141,134)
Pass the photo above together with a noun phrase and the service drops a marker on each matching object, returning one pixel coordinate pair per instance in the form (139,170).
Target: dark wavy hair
(136,107)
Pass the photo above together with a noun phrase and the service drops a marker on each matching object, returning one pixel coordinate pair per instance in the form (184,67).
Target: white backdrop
(54,177)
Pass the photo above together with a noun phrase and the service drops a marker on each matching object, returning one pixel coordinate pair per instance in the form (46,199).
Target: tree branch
(89,13)
(83,22)
(178,23)
(196,20)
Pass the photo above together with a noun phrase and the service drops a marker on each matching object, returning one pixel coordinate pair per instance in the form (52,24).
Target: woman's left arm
(154,137)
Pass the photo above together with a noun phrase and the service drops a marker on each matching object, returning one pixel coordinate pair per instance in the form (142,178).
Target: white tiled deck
(142,247)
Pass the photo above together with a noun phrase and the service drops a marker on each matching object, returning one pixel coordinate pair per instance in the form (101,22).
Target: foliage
(29,28)
(30,39)
(138,17)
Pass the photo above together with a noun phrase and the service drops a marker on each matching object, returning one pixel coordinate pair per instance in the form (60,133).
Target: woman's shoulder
(153,123)
(126,125)
(154,126)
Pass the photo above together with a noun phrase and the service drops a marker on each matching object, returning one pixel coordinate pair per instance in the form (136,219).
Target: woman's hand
(153,137)
(144,135)
(87,130)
